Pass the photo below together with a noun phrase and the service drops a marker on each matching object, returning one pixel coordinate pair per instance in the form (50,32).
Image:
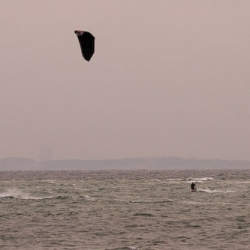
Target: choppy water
(108,210)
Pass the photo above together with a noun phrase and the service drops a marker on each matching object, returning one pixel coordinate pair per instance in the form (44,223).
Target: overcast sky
(168,78)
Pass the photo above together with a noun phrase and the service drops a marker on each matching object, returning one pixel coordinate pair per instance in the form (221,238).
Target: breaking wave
(207,190)
(14,193)
(199,180)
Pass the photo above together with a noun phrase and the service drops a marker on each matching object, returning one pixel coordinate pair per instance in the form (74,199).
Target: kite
(87,43)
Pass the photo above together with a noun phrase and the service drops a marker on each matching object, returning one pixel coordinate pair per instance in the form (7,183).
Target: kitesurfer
(193,187)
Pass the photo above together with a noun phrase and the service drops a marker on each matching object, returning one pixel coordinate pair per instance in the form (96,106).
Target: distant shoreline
(160,163)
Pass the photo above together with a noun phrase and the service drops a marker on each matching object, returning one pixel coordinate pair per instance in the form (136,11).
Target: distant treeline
(15,163)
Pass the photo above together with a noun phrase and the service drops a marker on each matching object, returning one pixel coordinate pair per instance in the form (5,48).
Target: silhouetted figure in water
(193,187)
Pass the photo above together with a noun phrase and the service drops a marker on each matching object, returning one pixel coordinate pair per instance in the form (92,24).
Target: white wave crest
(19,194)
(207,190)
(88,198)
(199,180)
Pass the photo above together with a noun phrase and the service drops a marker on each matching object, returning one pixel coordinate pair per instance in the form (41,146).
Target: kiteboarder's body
(193,188)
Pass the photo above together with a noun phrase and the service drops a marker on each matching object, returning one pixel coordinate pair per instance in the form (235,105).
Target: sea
(125,210)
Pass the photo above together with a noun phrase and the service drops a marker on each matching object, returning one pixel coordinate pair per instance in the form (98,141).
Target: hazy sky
(169,78)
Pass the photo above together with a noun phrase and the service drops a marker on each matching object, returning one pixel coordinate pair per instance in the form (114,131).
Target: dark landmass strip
(17,163)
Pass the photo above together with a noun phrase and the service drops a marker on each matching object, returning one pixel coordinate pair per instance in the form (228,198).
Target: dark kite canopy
(87,43)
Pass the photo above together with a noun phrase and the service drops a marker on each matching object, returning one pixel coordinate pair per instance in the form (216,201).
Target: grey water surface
(107,210)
